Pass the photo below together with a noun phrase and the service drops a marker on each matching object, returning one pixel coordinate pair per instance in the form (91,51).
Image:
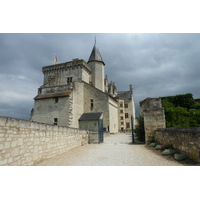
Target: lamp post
(132,129)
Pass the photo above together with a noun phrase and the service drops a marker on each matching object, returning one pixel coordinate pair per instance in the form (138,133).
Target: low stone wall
(185,140)
(25,142)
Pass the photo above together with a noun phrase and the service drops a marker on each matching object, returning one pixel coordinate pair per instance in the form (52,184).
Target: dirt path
(116,150)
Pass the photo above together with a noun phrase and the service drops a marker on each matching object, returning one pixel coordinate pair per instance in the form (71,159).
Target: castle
(76,87)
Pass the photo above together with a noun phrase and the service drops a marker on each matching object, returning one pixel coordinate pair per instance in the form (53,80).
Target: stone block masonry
(185,140)
(153,119)
(25,142)
(154,116)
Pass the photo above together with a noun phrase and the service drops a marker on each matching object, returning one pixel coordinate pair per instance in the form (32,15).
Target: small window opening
(56,100)
(69,80)
(55,121)
(91,103)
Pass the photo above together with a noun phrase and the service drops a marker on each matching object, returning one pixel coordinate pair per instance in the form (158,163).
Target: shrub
(181,111)
(140,129)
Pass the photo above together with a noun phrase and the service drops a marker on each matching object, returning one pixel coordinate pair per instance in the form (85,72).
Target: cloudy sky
(155,64)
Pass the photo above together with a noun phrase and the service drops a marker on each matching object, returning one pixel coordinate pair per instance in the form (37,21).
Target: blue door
(100,131)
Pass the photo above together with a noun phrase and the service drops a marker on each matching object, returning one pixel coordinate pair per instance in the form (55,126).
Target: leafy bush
(181,100)
(140,129)
(181,111)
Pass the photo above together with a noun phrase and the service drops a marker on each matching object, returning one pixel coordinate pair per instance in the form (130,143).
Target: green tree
(139,130)
(181,111)
(182,100)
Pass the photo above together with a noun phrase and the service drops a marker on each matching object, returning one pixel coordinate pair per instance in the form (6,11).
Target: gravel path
(115,151)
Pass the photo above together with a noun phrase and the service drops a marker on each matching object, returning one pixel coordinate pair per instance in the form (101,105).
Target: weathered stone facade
(126,109)
(25,143)
(76,87)
(154,116)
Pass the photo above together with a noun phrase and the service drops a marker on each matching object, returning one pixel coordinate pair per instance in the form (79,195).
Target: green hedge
(181,111)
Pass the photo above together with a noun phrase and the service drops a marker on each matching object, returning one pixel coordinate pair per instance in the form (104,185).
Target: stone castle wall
(100,102)
(154,116)
(113,113)
(56,75)
(45,110)
(26,143)
(185,140)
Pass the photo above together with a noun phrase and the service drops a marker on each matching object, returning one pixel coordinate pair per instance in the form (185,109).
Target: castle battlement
(73,88)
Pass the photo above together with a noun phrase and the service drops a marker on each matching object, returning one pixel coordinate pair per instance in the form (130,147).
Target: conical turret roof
(95,55)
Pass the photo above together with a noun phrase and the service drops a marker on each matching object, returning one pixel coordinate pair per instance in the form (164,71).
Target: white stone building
(76,87)
(126,109)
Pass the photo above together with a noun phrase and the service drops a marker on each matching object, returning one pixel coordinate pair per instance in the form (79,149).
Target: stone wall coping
(153,109)
(12,122)
(193,130)
(148,99)
(25,142)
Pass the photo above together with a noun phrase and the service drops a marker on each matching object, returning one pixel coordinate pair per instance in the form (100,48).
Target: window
(91,103)
(121,111)
(126,105)
(121,105)
(56,100)
(127,125)
(55,121)
(122,118)
(126,115)
(69,80)
(122,123)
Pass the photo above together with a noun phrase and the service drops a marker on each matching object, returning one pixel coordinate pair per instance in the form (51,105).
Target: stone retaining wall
(185,140)
(25,142)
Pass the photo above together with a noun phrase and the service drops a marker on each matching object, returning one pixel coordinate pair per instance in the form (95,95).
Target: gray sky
(155,64)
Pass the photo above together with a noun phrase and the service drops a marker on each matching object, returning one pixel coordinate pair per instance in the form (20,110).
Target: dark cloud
(155,64)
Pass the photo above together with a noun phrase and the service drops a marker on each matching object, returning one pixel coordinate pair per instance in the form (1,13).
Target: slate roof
(126,95)
(95,55)
(90,116)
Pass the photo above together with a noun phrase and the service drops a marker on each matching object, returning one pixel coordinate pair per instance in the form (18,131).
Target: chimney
(131,89)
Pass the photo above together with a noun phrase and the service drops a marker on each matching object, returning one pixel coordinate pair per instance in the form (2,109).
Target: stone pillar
(154,116)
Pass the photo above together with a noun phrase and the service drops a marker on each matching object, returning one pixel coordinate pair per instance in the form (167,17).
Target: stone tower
(97,67)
